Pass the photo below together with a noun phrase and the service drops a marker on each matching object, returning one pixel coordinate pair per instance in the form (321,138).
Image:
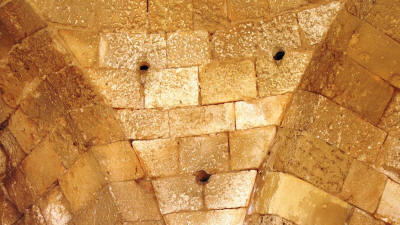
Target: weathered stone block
(209,14)
(298,201)
(384,15)
(172,88)
(6,43)
(361,218)
(188,48)
(213,217)
(391,117)
(202,120)
(19,190)
(82,182)
(170,15)
(11,148)
(3,163)
(249,148)
(5,111)
(144,223)
(176,194)
(256,219)
(389,206)
(209,153)
(34,216)
(390,157)
(277,7)
(72,12)
(9,214)
(261,112)
(144,124)
(243,9)
(55,208)
(359,8)
(11,87)
(224,81)
(230,190)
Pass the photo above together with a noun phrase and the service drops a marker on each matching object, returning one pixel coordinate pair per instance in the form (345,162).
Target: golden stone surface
(244,9)
(389,206)
(170,15)
(361,218)
(55,208)
(384,16)
(213,217)
(390,119)
(209,14)
(11,148)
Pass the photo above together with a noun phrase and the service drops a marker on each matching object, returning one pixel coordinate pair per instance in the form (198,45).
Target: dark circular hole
(144,66)
(202,176)
(279,55)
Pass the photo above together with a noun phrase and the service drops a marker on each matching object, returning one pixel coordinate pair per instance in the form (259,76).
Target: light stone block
(209,14)
(170,15)
(213,217)
(55,208)
(391,117)
(384,16)
(244,9)
(389,206)
(362,218)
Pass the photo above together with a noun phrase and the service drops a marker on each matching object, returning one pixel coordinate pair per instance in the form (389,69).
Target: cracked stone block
(390,157)
(209,14)
(277,7)
(42,175)
(229,190)
(118,161)
(279,78)
(249,148)
(82,182)
(55,208)
(376,52)
(360,8)
(80,13)
(261,112)
(11,148)
(334,124)
(311,159)
(389,206)
(236,41)
(19,19)
(127,51)
(170,15)
(213,217)
(363,186)
(84,45)
(391,117)
(257,219)
(34,216)
(298,201)
(19,189)
(315,22)
(160,157)
(176,194)
(384,15)
(188,48)
(361,218)
(247,9)
(281,32)
(209,153)
(144,124)
(225,81)
(172,88)
(8,211)
(202,120)
(11,87)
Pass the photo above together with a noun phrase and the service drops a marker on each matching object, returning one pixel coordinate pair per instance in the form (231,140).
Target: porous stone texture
(390,157)
(242,9)
(209,14)
(55,208)
(257,219)
(359,8)
(389,205)
(34,216)
(384,16)
(213,217)
(362,218)
(170,15)
(390,119)
(282,6)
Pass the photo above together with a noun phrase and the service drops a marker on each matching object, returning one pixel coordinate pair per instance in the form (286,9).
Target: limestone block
(311,159)
(9,213)
(361,218)
(315,22)
(135,202)
(11,148)
(213,217)
(3,163)
(172,88)
(363,186)
(390,157)
(202,120)
(209,14)
(19,19)
(176,194)
(278,78)
(170,15)
(360,8)
(225,81)
(377,52)
(144,223)
(391,117)
(11,86)
(277,7)
(236,41)
(188,48)
(384,15)
(42,175)
(249,148)
(256,219)
(82,182)
(6,43)
(389,207)
(160,157)
(298,201)
(125,50)
(229,190)
(261,112)
(243,9)
(5,111)
(336,125)
(144,124)
(72,12)
(84,45)
(281,32)
(19,190)
(209,153)
(55,208)
(34,216)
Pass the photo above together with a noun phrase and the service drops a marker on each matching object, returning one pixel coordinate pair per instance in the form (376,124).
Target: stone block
(298,201)
(361,218)
(188,48)
(389,206)
(376,52)
(144,223)
(278,78)
(176,194)
(209,153)
(160,157)
(277,7)
(170,15)
(172,88)
(11,87)
(55,208)
(257,219)
(72,12)
(384,16)
(390,156)
(336,125)
(213,217)
(19,189)
(118,161)
(144,124)
(11,148)
(6,43)
(229,190)
(236,41)
(33,216)
(363,186)
(225,81)
(82,182)
(202,120)
(391,117)
(243,9)
(3,163)
(360,8)
(5,111)
(9,213)
(209,14)
(261,112)
(128,51)
(249,148)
